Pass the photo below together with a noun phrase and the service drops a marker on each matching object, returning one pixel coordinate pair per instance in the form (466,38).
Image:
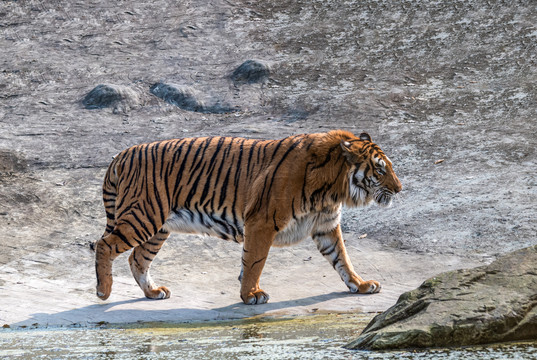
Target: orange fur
(261,193)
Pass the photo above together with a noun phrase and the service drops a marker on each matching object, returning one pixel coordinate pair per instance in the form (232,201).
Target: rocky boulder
(119,98)
(186,98)
(250,72)
(487,304)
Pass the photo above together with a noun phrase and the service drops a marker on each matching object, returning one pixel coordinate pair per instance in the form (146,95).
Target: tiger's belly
(224,227)
(197,222)
(296,230)
(301,227)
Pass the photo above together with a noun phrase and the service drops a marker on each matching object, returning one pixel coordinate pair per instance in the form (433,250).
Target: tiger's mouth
(383,197)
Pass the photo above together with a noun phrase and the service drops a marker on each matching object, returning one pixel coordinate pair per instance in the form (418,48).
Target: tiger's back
(196,185)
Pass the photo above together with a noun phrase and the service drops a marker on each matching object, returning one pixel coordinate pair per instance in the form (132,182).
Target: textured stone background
(429,80)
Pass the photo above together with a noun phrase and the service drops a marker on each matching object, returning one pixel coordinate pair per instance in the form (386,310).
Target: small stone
(183,97)
(101,96)
(186,98)
(251,71)
(120,98)
(12,161)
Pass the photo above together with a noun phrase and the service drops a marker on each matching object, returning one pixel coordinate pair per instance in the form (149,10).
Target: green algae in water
(302,337)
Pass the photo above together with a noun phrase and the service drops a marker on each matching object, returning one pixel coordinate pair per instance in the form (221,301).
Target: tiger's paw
(162,292)
(255,298)
(369,287)
(104,289)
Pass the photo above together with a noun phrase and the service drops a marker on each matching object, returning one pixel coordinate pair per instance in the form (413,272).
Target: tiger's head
(371,176)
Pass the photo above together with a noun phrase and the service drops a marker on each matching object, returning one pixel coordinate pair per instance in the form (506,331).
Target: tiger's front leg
(257,243)
(332,247)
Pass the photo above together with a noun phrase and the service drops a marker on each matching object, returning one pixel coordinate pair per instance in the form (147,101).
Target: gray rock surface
(487,304)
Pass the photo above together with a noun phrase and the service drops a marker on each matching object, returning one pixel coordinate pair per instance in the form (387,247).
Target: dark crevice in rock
(405,311)
(473,278)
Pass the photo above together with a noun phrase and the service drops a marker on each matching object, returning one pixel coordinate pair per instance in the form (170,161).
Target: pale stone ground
(430,81)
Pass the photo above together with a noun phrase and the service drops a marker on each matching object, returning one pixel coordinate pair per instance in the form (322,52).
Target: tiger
(258,193)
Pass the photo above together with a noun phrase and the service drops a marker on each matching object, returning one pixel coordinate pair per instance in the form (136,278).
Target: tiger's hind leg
(123,237)
(140,262)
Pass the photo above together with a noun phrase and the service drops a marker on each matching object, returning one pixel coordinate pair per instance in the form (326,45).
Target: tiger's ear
(346,147)
(365,136)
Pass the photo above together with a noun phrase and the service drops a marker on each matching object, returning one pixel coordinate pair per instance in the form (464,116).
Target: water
(312,337)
